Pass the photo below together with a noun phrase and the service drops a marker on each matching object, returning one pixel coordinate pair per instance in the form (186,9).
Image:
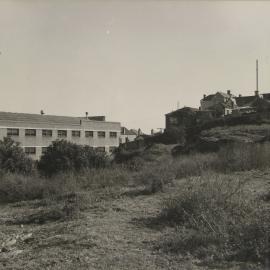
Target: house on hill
(187,117)
(220,103)
(256,103)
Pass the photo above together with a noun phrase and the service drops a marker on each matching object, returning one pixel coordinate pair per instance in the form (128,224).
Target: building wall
(207,104)
(180,118)
(40,141)
(124,138)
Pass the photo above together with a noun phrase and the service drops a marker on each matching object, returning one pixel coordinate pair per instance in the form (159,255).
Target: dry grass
(211,214)
(117,233)
(217,219)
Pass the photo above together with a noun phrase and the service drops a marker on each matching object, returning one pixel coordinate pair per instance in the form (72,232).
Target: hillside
(239,133)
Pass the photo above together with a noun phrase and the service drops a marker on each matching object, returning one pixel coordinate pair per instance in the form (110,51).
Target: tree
(62,156)
(13,159)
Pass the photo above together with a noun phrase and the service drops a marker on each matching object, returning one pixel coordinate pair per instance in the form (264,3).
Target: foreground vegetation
(194,211)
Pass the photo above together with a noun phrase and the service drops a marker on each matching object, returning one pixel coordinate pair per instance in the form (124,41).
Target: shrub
(215,217)
(244,156)
(63,156)
(13,159)
(155,176)
(16,187)
(195,164)
(124,155)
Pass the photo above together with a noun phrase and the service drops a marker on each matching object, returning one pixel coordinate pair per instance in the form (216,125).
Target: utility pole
(257,76)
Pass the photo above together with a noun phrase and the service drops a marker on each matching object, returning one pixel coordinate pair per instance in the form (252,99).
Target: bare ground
(111,234)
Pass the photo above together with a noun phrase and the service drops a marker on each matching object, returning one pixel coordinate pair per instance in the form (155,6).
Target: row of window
(60,133)
(32,150)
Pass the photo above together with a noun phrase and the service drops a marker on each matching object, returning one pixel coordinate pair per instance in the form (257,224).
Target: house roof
(249,100)
(242,101)
(209,97)
(224,94)
(259,102)
(184,109)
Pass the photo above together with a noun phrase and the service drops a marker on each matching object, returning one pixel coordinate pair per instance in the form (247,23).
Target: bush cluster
(64,156)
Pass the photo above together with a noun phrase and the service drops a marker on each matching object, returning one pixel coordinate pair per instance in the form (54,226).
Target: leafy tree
(64,156)
(13,159)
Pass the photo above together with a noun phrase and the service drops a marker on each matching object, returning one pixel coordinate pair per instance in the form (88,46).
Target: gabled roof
(210,97)
(249,100)
(184,109)
(242,101)
(259,102)
(224,94)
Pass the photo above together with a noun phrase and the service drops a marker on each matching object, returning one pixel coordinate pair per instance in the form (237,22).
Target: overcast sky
(129,60)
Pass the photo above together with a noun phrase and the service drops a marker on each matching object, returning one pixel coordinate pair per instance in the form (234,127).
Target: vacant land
(116,232)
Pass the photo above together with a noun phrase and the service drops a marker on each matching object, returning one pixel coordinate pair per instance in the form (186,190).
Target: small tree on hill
(13,159)
(62,156)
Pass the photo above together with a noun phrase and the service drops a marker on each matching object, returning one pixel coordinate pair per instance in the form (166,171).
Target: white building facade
(36,132)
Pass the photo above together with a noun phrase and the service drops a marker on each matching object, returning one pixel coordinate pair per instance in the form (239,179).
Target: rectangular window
(101,134)
(89,134)
(30,150)
(43,150)
(112,149)
(62,133)
(30,132)
(76,133)
(100,149)
(13,132)
(46,132)
(113,134)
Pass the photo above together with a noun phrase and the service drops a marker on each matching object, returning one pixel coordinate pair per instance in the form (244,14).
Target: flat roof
(45,119)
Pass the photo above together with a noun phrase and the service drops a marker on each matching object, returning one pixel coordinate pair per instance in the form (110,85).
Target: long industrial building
(35,132)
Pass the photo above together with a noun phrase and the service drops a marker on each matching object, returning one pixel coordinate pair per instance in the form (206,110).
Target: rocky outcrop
(211,140)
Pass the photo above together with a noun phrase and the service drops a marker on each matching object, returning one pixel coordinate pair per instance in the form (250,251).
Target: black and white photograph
(134,135)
